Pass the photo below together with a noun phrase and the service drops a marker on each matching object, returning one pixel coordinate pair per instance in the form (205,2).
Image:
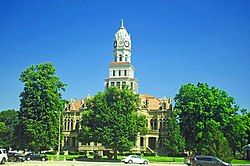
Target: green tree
(248,124)
(201,108)
(235,129)
(216,144)
(3,130)
(10,119)
(40,108)
(170,137)
(112,119)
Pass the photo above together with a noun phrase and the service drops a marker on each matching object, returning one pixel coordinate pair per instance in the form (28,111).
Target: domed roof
(122,33)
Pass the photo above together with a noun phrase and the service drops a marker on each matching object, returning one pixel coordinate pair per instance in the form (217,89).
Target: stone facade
(156,110)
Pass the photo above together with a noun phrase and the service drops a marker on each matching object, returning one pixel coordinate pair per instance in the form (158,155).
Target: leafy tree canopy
(170,137)
(202,108)
(10,119)
(3,130)
(112,119)
(40,108)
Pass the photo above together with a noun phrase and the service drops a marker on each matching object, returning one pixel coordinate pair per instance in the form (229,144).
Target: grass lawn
(164,159)
(235,161)
(61,157)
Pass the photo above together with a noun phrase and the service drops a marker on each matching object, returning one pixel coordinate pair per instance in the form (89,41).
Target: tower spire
(122,26)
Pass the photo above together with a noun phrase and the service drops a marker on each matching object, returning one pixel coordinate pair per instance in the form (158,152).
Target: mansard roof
(148,102)
(75,105)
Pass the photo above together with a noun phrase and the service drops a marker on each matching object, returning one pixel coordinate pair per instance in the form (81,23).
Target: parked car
(3,156)
(13,156)
(135,159)
(36,156)
(208,161)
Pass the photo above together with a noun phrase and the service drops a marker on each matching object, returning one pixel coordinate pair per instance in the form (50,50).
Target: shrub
(83,153)
(149,154)
(51,152)
(97,156)
(73,153)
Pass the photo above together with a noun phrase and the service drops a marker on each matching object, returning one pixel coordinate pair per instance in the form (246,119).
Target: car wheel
(43,159)
(3,161)
(130,161)
(145,162)
(28,158)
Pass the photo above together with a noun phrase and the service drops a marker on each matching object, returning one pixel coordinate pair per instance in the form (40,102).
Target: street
(79,163)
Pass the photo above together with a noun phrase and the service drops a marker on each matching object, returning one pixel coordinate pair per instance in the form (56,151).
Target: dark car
(13,156)
(208,161)
(36,156)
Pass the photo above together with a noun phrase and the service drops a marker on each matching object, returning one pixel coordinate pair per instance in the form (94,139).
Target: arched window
(77,124)
(126,58)
(155,124)
(68,124)
(65,125)
(120,58)
(72,124)
(160,124)
(164,123)
(151,124)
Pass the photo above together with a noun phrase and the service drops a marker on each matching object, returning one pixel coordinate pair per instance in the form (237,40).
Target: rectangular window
(125,72)
(123,84)
(118,84)
(112,83)
(73,141)
(131,85)
(141,141)
(113,72)
(120,73)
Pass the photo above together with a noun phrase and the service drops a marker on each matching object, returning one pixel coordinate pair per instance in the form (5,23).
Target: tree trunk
(174,157)
(115,154)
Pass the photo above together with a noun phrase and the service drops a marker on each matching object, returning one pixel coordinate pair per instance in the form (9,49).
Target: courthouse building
(121,72)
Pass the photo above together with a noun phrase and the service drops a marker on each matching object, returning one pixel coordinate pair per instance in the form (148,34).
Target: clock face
(127,43)
(115,44)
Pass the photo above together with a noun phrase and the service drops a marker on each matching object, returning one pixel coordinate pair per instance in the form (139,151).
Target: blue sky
(174,42)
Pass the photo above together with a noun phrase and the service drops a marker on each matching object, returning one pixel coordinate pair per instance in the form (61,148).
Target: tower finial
(122,24)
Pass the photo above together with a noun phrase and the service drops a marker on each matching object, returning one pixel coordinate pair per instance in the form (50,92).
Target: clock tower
(121,71)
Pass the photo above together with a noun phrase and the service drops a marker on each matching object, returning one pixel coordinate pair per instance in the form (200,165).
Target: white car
(3,156)
(135,159)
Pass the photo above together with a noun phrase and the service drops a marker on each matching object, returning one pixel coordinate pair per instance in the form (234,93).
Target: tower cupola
(122,45)
(121,71)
